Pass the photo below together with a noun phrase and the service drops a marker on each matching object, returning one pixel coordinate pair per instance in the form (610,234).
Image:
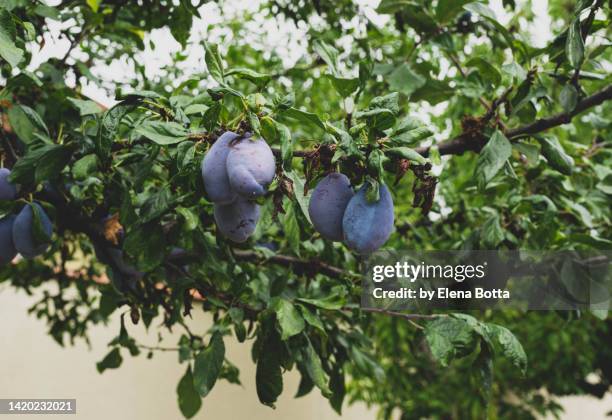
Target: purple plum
(238,220)
(7,247)
(367,226)
(8,191)
(23,234)
(328,203)
(250,167)
(214,170)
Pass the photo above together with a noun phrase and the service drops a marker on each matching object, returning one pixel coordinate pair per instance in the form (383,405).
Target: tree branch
(564,117)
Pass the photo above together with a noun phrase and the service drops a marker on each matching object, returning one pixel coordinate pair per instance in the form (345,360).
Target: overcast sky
(285,38)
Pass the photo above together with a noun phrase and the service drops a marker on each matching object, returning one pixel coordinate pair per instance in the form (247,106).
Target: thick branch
(564,117)
(460,144)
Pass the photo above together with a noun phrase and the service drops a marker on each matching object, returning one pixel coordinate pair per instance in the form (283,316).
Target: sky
(286,39)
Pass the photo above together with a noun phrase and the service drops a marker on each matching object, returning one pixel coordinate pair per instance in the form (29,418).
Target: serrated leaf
(289,319)
(214,63)
(449,338)
(162,133)
(510,346)
(304,116)
(208,364)
(492,158)
(258,79)
(555,155)
(312,363)
(407,153)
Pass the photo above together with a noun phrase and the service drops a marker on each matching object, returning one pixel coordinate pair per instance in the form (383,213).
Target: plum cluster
(340,214)
(17,232)
(237,170)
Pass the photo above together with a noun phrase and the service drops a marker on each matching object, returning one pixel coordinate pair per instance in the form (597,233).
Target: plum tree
(238,220)
(367,225)
(250,167)
(214,170)
(23,231)
(352,98)
(8,191)
(7,247)
(328,203)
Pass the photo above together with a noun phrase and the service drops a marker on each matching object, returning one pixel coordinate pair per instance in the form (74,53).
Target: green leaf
(298,192)
(448,9)
(286,145)
(180,24)
(333,300)
(189,400)
(162,133)
(192,221)
(407,153)
(314,368)
(574,44)
(555,155)
(26,123)
(492,232)
(510,346)
(146,243)
(312,318)
(304,116)
(40,235)
(86,107)
(8,32)
(292,227)
(449,338)
(111,361)
(392,6)
(258,79)
(489,15)
(214,63)
(52,160)
(288,317)
(404,79)
(433,91)
(568,98)
(94,5)
(208,364)
(492,158)
(328,53)
(85,166)
(487,71)
(268,376)
(345,85)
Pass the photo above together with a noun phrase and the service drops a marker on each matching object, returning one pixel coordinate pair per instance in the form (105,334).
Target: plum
(238,220)
(250,167)
(23,235)
(7,247)
(367,226)
(214,170)
(8,191)
(328,203)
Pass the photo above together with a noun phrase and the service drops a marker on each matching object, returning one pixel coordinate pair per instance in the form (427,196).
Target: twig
(402,314)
